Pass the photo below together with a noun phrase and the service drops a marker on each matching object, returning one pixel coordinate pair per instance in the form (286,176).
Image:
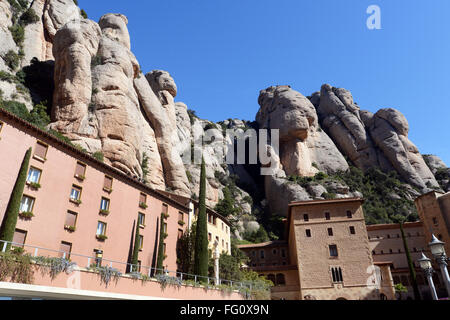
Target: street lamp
(438,251)
(425,265)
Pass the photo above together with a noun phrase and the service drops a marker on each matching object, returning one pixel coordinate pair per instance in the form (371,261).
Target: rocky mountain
(80,80)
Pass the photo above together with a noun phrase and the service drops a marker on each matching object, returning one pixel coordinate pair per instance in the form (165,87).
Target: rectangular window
(40,150)
(164,245)
(327,216)
(107,183)
(336,273)
(104,204)
(435,221)
(349,214)
(65,249)
(165,209)
(209,236)
(143,198)
(71,219)
(214,220)
(75,193)
(180,233)
(333,250)
(19,238)
(261,254)
(180,216)
(80,170)
(141,219)
(34,175)
(223,243)
(217,239)
(209,218)
(308,233)
(101,229)
(165,227)
(330,231)
(306,217)
(141,242)
(27,204)
(352,230)
(283,253)
(139,265)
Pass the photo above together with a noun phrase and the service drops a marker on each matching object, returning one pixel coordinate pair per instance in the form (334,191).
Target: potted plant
(26,215)
(80,177)
(101,237)
(104,212)
(34,185)
(143,205)
(70,228)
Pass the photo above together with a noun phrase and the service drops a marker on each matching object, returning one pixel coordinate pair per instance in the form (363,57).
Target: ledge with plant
(70,228)
(104,212)
(101,237)
(34,185)
(26,215)
(143,205)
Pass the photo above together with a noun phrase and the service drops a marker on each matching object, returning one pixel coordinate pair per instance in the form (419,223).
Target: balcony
(74,276)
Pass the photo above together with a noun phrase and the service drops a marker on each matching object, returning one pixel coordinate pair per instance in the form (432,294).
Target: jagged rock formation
(368,140)
(39,36)
(104,103)
(305,149)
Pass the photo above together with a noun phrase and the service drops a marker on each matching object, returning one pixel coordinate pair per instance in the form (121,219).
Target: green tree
(258,236)
(135,258)
(225,206)
(186,249)
(412,271)
(201,255)
(12,211)
(162,237)
(400,288)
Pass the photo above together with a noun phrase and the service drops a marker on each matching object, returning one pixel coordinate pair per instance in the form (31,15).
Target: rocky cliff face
(104,103)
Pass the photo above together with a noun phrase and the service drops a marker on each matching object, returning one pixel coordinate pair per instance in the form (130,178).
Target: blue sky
(222,53)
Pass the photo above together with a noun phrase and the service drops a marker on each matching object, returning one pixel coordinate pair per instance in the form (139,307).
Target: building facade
(219,228)
(327,256)
(74,203)
(334,255)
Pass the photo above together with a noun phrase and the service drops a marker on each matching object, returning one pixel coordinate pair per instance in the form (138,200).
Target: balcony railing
(128,269)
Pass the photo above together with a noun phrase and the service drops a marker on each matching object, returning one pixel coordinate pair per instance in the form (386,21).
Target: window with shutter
(40,150)
(80,170)
(71,219)
(143,198)
(19,237)
(107,183)
(65,249)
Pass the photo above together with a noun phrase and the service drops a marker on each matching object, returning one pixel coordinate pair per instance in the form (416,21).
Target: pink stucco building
(82,207)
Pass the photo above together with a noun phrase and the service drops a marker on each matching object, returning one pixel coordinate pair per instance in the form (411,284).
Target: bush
(29,17)
(83,14)
(8,77)
(18,34)
(12,59)
(98,155)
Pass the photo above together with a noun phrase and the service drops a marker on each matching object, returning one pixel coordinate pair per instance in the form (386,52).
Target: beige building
(328,256)
(331,254)
(219,228)
(434,212)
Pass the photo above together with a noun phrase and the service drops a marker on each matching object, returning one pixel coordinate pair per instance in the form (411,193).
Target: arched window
(280,280)
(271,277)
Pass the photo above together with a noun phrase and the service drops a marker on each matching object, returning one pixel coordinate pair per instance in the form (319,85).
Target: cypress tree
(135,258)
(201,241)
(412,271)
(12,211)
(161,256)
